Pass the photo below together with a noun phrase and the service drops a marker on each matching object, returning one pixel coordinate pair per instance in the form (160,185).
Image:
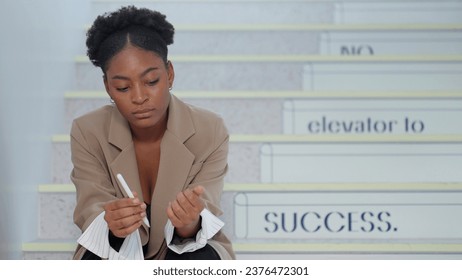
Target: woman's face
(138,81)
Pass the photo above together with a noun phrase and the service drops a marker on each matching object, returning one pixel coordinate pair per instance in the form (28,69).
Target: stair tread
(302,138)
(268,187)
(294,247)
(304,58)
(248,94)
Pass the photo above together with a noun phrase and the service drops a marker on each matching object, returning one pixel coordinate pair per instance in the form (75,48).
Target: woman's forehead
(135,59)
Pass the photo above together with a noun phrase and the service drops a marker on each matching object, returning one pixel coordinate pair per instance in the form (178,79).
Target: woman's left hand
(184,211)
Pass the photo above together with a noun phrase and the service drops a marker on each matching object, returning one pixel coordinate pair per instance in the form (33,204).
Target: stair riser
(215,76)
(56,216)
(311,42)
(239,114)
(243,158)
(57,209)
(47,255)
(337,75)
(232,12)
(245,43)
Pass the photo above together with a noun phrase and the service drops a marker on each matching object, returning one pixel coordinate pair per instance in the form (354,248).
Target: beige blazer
(194,151)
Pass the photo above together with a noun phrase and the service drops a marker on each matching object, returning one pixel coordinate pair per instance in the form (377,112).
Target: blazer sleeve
(90,176)
(213,169)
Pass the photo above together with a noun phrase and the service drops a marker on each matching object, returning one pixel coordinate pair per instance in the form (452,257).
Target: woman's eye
(153,82)
(123,89)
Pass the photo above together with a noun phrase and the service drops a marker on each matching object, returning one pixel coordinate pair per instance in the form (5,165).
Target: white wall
(38,41)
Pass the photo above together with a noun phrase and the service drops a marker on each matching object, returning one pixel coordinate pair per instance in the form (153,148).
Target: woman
(173,156)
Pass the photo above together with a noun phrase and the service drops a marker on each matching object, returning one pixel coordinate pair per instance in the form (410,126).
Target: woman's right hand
(124,215)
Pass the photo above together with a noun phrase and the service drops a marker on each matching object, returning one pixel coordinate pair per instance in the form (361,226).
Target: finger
(191,205)
(127,212)
(125,222)
(122,203)
(179,210)
(117,226)
(125,231)
(113,214)
(194,199)
(176,222)
(185,199)
(199,190)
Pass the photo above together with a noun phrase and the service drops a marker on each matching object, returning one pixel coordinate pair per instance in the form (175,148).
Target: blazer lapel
(125,162)
(175,162)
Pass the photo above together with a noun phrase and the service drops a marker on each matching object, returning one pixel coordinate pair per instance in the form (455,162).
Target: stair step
(57,201)
(224,12)
(299,138)
(56,214)
(309,39)
(250,155)
(82,59)
(294,187)
(99,94)
(282,111)
(320,27)
(398,12)
(64,250)
(49,249)
(335,27)
(295,73)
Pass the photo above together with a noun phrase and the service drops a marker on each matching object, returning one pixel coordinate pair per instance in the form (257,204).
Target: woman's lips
(143,113)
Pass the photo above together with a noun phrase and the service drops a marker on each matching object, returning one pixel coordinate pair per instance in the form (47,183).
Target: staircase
(344,119)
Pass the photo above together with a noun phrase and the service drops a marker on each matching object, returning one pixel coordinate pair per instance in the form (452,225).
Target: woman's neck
(152,134)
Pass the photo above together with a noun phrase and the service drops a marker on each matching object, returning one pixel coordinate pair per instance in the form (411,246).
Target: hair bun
(129,16)
(153,20)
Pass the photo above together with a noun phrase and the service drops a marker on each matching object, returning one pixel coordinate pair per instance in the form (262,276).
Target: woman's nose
(139,96)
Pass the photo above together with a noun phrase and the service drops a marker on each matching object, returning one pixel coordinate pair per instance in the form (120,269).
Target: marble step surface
(300,72)
(293,11)
(263,112)
(252,157)
(311,39)
(225,12)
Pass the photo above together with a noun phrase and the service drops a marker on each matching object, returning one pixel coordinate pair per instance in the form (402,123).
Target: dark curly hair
(141,27)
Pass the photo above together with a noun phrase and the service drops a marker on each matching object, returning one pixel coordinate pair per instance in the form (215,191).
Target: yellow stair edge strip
(262,187)
(61,188)
(347,248)
(289,248)
(305,58)
(283,94)
(343,187)
(316,27)
(299,138)
(224,1)
(199,1)
(49,246)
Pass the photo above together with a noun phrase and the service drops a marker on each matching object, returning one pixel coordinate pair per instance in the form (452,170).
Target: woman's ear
(171,73)
(106,85)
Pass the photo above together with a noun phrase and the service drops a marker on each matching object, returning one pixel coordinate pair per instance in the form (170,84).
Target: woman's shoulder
(209,126)
(96,120)
(202,116)
(96,115)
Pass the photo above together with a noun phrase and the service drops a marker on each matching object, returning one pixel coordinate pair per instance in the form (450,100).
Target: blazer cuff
(210,225)
(96,239)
